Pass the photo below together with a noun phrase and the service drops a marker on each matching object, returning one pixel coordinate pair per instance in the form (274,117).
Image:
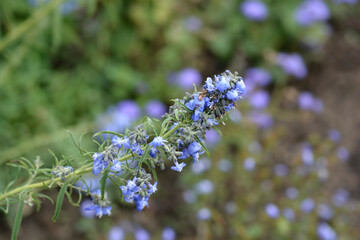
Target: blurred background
(286,166)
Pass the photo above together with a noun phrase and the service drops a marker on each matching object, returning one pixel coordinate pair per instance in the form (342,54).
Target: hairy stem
(82,170)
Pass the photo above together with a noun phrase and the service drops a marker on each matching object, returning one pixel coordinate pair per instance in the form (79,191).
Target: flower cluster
(101,206)
(62,171)
(186,125)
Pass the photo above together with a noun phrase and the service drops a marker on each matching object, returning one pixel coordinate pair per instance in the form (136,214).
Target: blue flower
(136,148)
(99,163)
(240,87)
(178,167)
(325,232)
(152,188)
(311,11)
(101,206)
(272,210)
(141,202)
(119,142)
(153,152)
(157,142)
(307,205)
(254,10)
(209,86)
(258,76)
(222,83)
(292,64)
(116,166)
(232,95)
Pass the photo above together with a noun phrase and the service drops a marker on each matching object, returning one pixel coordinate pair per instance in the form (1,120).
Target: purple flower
(307,101)
(291,193)
(343,154)
(200,166)
(235,116)
(155,109)
(141,234)
(168,233)
(334,135)
(224,165)
(311,11)
(187,77)
(116,233)
(258,76)
(325,212)
(232,95)
(325,232)
(289,214)
(193,24)
(87,213)
(204,187)
(254,10)
(249,164)
(293,64)
(129,108)
(307,155)
(340,197)
(223,84)
(307,205)
(203,214)
(281,170)
(272,210)
(262,120)
(212,137)
(259,99)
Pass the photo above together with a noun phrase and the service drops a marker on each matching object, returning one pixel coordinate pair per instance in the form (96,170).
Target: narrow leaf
(60,199)
(202,145)
(103,182)
(18,218)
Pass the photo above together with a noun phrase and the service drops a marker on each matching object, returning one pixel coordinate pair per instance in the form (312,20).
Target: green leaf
(151,124)
(195,89)
(60,199)
(217,129)
(143,157)
(103,182)
(44,196)
(202,145)
(18,218)
(153,171)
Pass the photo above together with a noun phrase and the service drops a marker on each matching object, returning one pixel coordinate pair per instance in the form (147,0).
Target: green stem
(29,23)
(82,170)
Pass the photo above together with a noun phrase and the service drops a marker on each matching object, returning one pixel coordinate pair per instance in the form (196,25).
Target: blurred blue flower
(325,212)
(116,233)
(255,147)
(307,101)
(155,109)
(281,170)
(334,135)
(291,193)
(307,205)
(343,154)
(213,137)
(254,10)
(193,24)
(201,166)
(249,164)
(203,214)
(204,187)
(168,233)
(307,155)
(65,8)
(141,234)
(340,197)
(289,214)
(325,232)
(178,167)
(235,116)
(258,76)
(259,99)
(130,108)
(224,165)
(189,196)
(272,210)
(186,78)
(230,207)
(311,11)
(261,119)
(293,64)
(87,213)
